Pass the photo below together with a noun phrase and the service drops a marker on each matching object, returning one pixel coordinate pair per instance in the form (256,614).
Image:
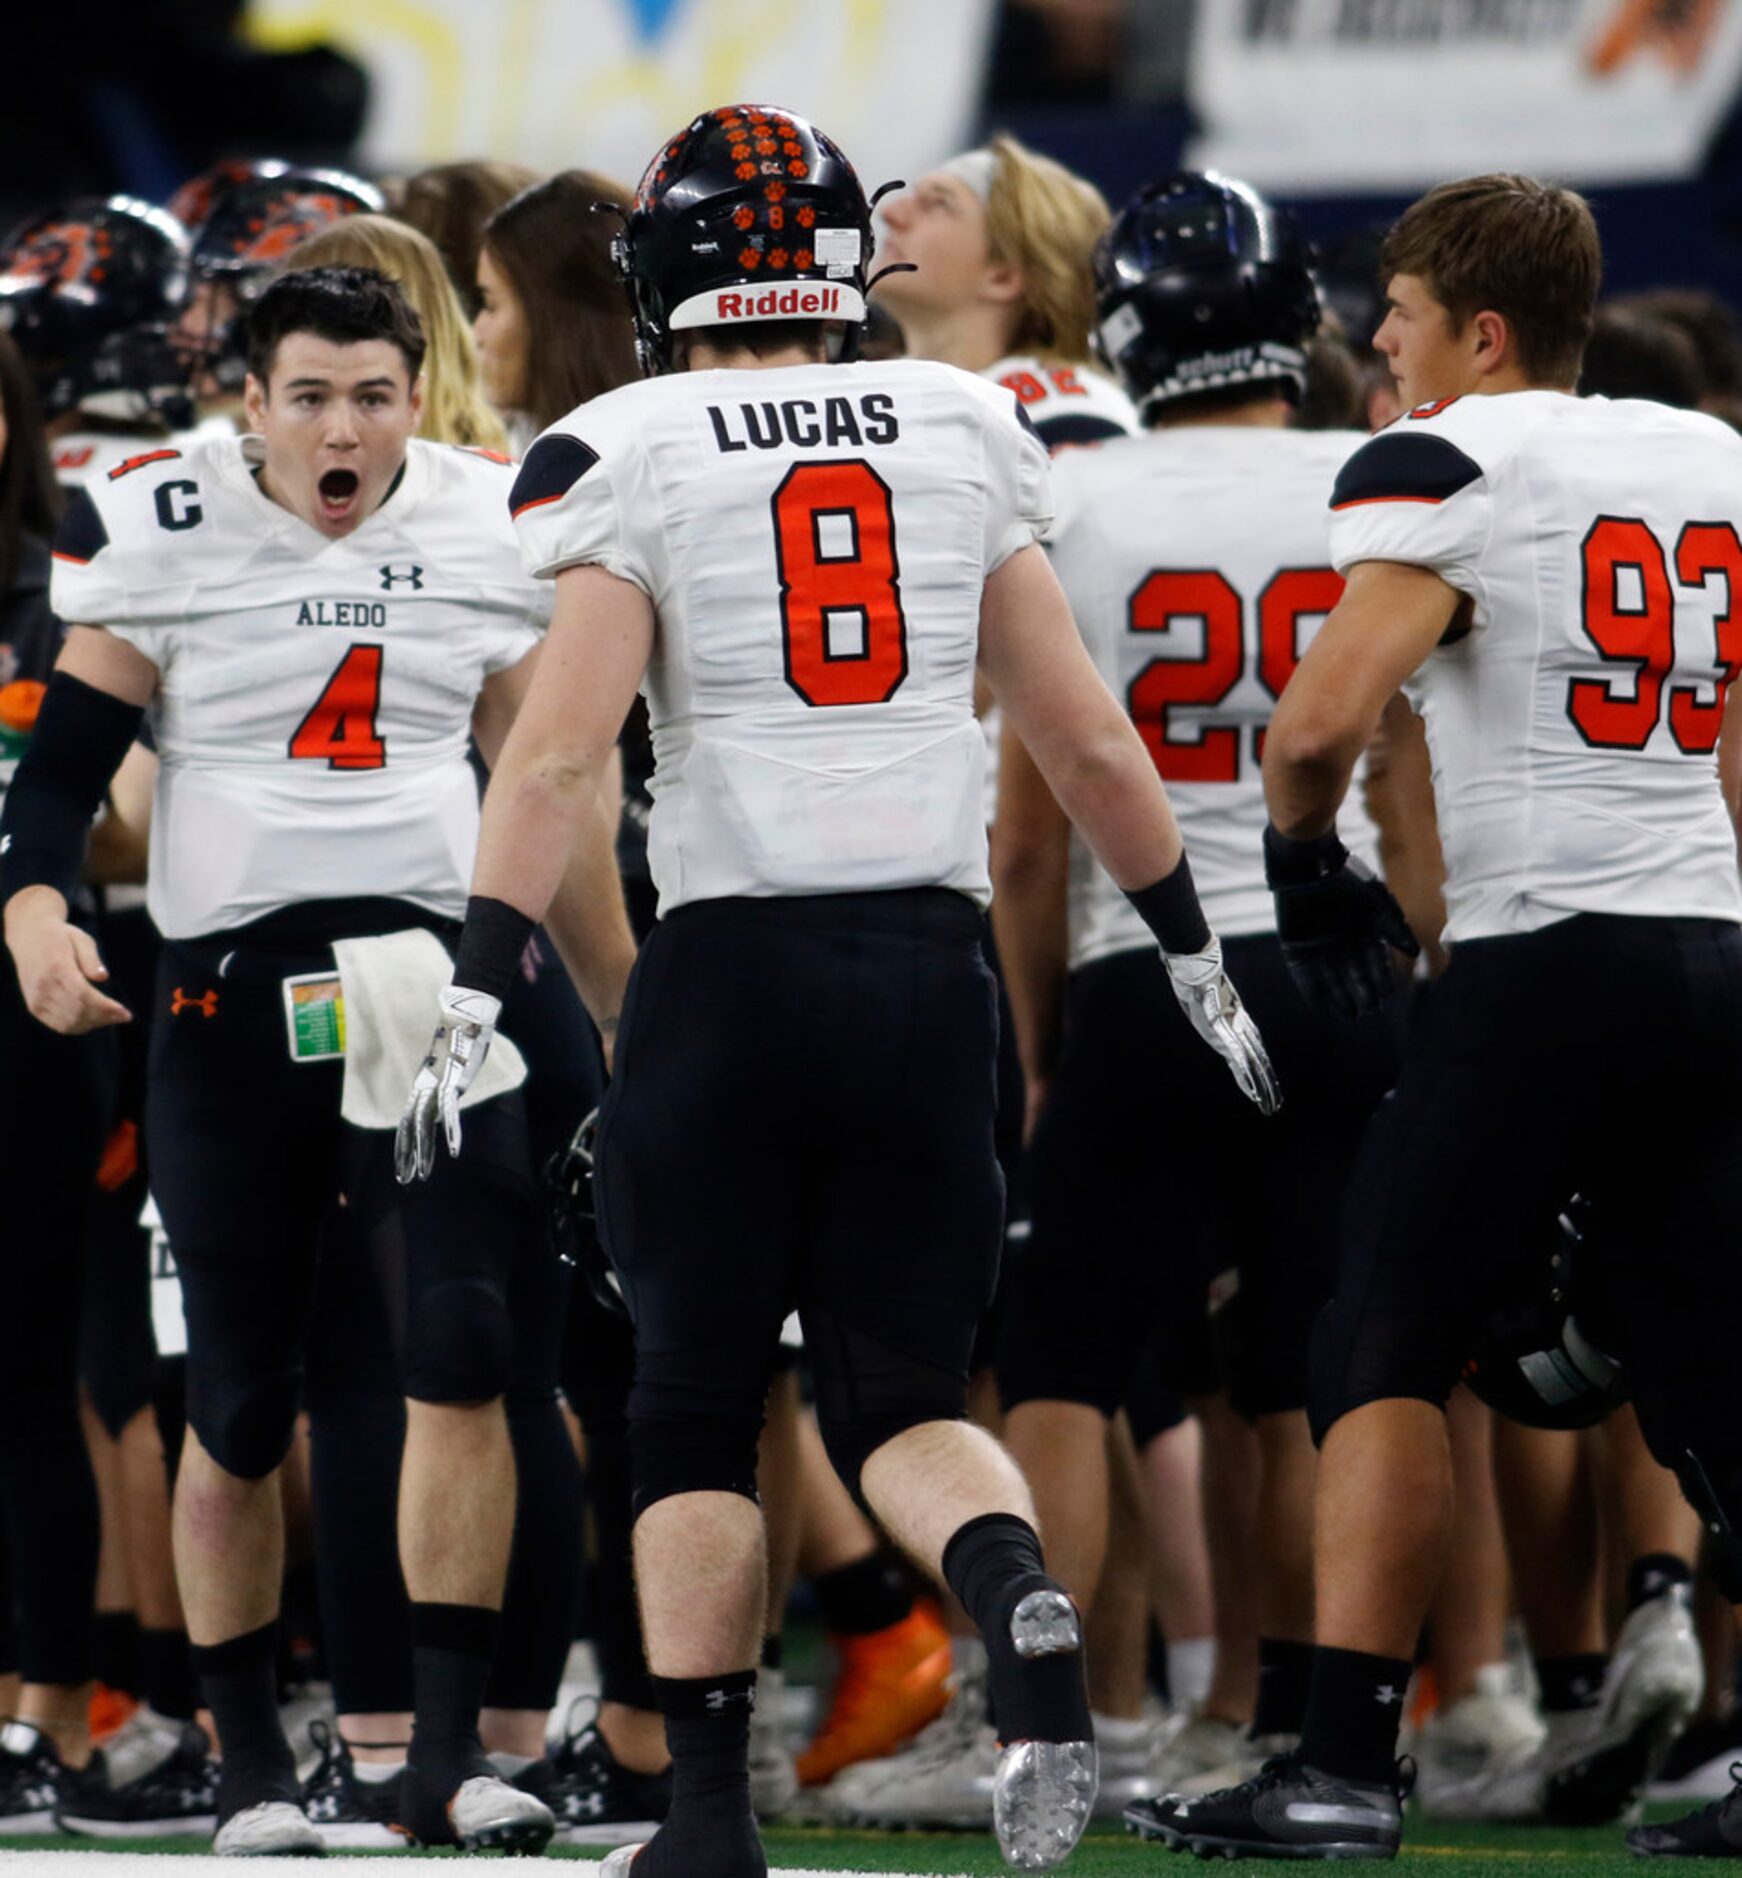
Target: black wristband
(80,738)
(1171,911)
(492,944)
(1292,863)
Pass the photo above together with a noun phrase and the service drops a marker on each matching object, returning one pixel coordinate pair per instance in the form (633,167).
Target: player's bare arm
(99,687)
(1031,841)
(544,795)
(1730,762)
(1399,797)
(1091,757)
(1338,924)
(587,917)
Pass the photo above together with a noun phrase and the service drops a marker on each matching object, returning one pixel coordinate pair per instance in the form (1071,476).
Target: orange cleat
(892,1683)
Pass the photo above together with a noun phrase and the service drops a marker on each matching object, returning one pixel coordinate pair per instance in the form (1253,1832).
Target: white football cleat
(489,1815)
(273,1829)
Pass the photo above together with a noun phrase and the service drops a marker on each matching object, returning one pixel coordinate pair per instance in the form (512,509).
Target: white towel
(392,984)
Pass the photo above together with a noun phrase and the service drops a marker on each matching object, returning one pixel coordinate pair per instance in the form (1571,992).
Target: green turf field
(1432,1850)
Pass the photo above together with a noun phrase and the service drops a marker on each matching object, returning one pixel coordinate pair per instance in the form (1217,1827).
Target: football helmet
(1201,284)
(748,214)
(86,289)
(193,203)
(248,230)
(1540,1358)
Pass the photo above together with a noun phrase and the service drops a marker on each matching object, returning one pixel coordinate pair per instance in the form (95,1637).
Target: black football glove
(1337,922)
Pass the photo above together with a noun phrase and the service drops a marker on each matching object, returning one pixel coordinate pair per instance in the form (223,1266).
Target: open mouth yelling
(339,491)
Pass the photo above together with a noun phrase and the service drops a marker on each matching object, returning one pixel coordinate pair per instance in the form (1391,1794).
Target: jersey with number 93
(815,541)
(1197,563)
(315,696)
(1573,710)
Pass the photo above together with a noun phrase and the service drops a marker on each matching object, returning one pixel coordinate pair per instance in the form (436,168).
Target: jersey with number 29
(315,696)
(815,541)
(1197,562)
(1573,710)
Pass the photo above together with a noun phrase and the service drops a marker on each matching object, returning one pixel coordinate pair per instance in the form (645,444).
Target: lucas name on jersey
(768,424)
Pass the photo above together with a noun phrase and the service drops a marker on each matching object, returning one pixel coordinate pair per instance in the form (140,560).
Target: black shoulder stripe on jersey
(1403,467)
(1076,427)
(81,536)
(1023,418)
(552,468)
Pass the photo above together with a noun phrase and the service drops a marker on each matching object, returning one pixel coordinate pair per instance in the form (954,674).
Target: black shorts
(1167,1208)
(250,1156)
(1600,1055)
(802,1117)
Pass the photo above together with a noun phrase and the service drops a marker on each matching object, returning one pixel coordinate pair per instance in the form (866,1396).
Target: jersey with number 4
(815,541)
(1197,563)
(315,696)
(1573,709)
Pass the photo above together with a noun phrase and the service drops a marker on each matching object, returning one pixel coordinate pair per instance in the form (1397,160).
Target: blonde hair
(454,410)
(1046,220)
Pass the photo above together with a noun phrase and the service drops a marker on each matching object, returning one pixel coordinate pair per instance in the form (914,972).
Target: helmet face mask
(749,214)
(1201,285)
(87,291)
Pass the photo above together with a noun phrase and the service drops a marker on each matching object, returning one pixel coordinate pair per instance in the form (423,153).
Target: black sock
(240,1682)
(774,1651)
(117,1658)
(992,1563)
(166,1673)
(1571,1682)
(1651,1575)
(710,1828)
(870,1594)
(1352,1715)
(451,1650)
(1285,1674)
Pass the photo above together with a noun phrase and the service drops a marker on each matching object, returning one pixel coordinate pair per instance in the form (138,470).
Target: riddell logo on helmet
(779,303)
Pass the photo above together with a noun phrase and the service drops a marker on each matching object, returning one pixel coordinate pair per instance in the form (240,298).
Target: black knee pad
(459,1341)
(683,1454)
(244,1423)
(868,1393)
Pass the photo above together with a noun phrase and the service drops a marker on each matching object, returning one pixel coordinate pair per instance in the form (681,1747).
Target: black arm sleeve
(81,735)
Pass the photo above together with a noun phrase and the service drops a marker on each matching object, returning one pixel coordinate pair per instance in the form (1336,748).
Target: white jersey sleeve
(315,696)
(815,541)
(1574,725)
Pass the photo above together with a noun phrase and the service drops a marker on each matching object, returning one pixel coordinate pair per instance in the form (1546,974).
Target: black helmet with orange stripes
(86,289)
(748,214)
(1200,285)
(193,203)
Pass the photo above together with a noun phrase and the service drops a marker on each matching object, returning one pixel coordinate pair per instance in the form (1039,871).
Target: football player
(1195,558)
(1553,579)
(801,563)
(319,616)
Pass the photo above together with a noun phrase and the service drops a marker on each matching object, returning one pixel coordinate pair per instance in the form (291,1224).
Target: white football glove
(1207,996)
(456,1054)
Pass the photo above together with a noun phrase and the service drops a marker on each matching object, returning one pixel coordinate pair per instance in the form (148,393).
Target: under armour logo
(716,1699)
(206,1003)
(393,573)
(1387,1695)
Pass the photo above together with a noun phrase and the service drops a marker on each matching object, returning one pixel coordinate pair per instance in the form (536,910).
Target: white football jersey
(815,541)
(81,456)
(1573,726)
(315,696)
(1069,406)
(1197,561)
(1066,404)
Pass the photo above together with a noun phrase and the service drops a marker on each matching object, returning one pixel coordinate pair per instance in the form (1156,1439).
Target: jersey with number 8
(1574,724)
(815,541)
(315,696)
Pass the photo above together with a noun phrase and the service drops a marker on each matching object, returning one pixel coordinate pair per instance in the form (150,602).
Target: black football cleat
(1714,1831)
(1286,1810)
